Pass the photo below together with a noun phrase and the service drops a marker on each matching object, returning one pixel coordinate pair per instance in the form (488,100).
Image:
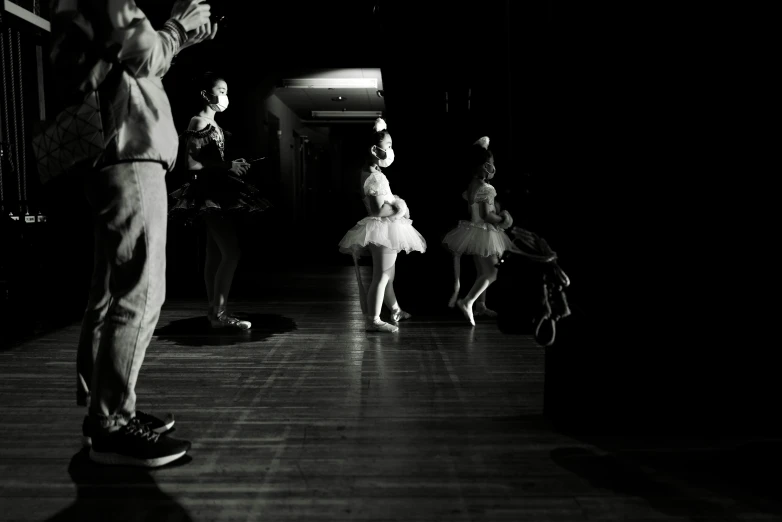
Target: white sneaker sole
(246,325)
(114,459)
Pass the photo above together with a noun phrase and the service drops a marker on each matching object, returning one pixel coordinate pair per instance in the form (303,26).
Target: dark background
(615,135)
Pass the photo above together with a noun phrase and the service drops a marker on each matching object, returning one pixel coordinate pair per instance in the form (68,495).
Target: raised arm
(146,52)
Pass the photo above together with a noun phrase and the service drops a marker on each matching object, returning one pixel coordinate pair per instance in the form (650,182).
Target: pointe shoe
(399,315)
(452,301)
(381,326)
(466,311)
(481,310)
(221,319)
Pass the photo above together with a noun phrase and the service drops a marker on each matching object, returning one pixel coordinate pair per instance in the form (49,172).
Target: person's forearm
(386,211)
(493,218)
(400,206)
(194,164)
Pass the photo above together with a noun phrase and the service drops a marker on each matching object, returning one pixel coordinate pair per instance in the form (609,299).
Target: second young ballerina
(386,231)
(482,237)
(218,194)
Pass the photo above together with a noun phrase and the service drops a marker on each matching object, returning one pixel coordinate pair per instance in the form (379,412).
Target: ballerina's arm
(489,215)
(379,208)
(485,196)
(376,190)
(400,205)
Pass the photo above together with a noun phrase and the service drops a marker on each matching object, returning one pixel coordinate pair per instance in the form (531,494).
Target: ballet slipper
(399,315)
(466,311)
(481,310)
(381,326)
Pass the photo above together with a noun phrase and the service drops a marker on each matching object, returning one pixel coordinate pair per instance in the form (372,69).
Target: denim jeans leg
(129,201)
(92,323)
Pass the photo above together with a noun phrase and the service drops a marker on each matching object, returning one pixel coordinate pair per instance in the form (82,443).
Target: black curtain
(606,147)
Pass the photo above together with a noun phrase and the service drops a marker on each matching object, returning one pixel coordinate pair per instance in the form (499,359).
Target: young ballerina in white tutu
(385,232)
(482,237)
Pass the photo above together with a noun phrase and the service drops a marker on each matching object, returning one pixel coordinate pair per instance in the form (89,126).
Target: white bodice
(376,184)
(485,194)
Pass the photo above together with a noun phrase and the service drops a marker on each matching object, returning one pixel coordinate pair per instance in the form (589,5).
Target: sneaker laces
(137,429)
(148,419)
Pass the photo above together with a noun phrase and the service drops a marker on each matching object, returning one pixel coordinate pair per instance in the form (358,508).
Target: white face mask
(217,103)
(388,156)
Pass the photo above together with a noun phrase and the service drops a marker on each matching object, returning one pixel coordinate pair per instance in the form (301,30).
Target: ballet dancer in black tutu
(217,193)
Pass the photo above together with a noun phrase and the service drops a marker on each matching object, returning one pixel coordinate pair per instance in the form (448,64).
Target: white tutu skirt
(477,239)
(397,235)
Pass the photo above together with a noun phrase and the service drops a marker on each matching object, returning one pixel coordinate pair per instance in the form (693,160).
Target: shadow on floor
(196,331)
(119,494)
(684,481)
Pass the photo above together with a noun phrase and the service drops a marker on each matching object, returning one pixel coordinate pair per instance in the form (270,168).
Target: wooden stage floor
(308,417)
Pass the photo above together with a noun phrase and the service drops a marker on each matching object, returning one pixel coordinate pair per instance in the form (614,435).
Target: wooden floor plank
(308,417)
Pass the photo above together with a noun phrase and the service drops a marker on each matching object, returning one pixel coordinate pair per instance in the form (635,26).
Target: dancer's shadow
(119,494)
(676,482)
(196,331)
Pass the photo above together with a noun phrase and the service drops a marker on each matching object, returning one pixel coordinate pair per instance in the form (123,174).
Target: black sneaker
(157,425)
(136,445)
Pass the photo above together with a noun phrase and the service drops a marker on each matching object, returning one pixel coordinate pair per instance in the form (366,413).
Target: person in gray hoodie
(127,194)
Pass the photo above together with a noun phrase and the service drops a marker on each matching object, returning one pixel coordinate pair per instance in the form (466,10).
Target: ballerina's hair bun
(380,125)
(207,79)
(483,143)
(479,153)
(379,132)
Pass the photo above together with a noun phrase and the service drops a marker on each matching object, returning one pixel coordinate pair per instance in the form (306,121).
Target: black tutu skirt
(215,192)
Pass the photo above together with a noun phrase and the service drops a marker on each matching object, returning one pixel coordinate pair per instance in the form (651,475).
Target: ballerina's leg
(456,279)
(480,307)
(211,263)
(383,261)
(486,276)
(224,233)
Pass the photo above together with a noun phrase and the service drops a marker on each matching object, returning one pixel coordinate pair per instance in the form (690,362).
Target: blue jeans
(128,288)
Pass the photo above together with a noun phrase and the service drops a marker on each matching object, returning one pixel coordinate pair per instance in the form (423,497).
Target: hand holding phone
(239,166)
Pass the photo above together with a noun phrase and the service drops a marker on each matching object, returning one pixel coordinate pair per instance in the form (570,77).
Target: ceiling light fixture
(330,83)
(338,98)
(347,114)
(346,121)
